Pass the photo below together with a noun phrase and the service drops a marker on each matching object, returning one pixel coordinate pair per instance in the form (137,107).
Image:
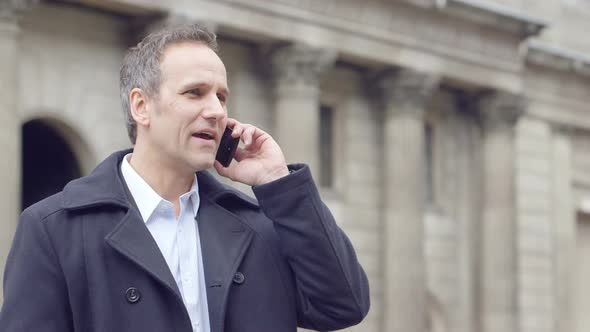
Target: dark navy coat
(83,260)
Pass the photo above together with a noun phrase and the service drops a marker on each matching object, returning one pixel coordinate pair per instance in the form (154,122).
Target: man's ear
(138,103)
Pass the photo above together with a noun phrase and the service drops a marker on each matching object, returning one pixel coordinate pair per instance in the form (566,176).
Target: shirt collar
(146,198)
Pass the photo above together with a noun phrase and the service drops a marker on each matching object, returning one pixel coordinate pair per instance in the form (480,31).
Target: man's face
(189,115)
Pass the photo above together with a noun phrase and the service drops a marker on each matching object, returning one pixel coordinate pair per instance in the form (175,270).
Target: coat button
(239,278)
(133,295)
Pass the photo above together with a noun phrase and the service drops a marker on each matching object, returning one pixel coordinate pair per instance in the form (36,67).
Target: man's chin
(201,165)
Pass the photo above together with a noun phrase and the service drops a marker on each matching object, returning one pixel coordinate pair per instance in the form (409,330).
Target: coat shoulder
(246,208)
(45,207)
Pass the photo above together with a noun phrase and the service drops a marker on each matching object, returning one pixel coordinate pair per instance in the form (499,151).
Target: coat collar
(225,237)
(104,187)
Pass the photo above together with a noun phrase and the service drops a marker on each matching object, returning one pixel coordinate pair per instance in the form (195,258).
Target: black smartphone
(227,148)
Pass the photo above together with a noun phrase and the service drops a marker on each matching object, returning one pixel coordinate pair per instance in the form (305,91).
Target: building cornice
(543,54)
(122,7)
(495,15)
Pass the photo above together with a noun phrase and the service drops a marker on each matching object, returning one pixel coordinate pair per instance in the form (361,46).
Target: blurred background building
(451,138)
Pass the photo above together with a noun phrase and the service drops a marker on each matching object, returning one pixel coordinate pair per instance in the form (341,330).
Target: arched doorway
(48,161)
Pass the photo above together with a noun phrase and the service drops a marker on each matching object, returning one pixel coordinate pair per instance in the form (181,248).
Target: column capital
(300,64)
(176,19)
(13,8)
(500,109)
(141,27)
(564,129)
(406,87)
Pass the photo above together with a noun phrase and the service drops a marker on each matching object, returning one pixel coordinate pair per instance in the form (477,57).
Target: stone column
(296,71)
(405,93)
(564,226)
(499,112)
(10,138)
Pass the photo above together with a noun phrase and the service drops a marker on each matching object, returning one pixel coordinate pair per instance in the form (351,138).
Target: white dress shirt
(178,240)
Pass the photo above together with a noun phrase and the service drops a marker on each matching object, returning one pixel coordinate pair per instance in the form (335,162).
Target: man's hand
(259,161)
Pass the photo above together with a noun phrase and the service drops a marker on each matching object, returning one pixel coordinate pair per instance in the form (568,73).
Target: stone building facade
(451,138)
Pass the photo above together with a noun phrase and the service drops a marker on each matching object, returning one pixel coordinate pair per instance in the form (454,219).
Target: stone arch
(52,154)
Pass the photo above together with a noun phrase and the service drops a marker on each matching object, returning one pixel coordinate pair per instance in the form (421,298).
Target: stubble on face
(178,111)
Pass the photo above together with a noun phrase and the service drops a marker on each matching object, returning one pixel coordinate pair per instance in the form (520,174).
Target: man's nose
(214,109)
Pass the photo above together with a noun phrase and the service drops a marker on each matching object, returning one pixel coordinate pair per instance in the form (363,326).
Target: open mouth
(203,135)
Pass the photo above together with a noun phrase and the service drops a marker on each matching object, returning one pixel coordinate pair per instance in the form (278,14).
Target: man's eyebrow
(193,85)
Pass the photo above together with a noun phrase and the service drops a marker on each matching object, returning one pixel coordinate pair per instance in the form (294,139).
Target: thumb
(223,171)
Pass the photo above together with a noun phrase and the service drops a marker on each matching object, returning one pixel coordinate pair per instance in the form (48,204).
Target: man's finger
(241,154)
(258,139)
(225,171)
(219,168)
(236,126)
(237,130)
(231,122)
(248,135)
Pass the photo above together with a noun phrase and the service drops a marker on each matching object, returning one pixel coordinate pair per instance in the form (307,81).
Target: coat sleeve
(332,286)
(35,294)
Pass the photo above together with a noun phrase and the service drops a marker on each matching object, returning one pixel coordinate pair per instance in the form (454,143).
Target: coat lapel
(133,240)
(224,240)
(105,186)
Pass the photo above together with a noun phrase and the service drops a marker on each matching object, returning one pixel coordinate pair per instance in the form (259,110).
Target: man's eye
(222,98)
(195,92)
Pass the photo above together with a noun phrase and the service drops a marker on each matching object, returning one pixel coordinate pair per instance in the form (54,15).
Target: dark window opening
(326,143)
(429,160)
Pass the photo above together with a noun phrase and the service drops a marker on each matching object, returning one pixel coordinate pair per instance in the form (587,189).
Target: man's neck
(167,179)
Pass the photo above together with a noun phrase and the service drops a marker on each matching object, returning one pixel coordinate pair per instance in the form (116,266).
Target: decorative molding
(300,65)
(557,58)
(400,23)
(500,109)
(405,34)
(406,87)
(495,15)
(422,3)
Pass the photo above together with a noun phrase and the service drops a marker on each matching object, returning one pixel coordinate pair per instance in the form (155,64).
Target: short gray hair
(141,65)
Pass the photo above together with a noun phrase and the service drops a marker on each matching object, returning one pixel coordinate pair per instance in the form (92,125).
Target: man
(150,241)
